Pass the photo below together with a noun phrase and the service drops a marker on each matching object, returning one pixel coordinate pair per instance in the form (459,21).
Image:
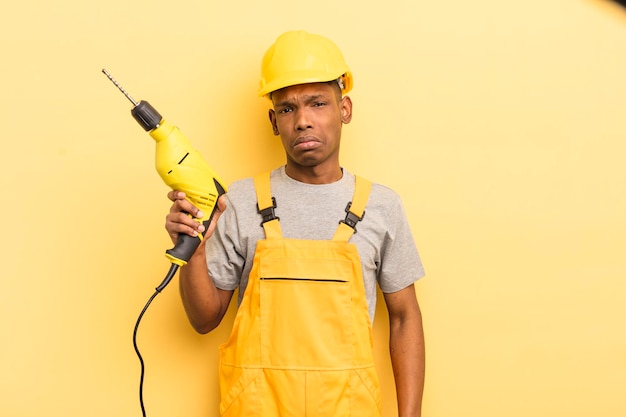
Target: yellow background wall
(501,123)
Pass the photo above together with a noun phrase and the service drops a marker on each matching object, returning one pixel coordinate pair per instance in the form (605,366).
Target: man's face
(308,118)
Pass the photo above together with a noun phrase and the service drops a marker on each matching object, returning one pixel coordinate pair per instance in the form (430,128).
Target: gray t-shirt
(307,211)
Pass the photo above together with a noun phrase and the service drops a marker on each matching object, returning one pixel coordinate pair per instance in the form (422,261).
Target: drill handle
(186,245)
(181,252)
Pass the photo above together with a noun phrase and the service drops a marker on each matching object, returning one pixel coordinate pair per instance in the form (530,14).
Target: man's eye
(319,104)
(284,110)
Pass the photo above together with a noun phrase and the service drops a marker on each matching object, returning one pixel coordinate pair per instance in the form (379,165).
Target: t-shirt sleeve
(223,251)
(400,263)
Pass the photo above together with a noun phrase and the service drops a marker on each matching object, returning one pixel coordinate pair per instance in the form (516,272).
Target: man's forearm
(407,358)
(406,346)
(202,300)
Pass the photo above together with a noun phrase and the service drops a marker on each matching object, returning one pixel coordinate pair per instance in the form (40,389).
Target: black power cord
(166,280)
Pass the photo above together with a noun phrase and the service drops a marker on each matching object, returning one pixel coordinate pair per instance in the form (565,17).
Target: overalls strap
(355,210)
(266,205)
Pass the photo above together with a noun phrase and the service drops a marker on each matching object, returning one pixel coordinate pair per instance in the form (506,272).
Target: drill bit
(119,86)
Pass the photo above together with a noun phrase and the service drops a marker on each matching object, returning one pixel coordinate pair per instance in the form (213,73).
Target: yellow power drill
(182,168)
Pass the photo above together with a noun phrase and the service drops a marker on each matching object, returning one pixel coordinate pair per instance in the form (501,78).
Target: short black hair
(336,87)
(333,83)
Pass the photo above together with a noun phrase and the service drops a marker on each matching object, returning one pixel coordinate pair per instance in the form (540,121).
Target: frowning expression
(309,118)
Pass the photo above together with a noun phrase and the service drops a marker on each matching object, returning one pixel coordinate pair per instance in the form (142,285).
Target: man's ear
(272,116)
(346,109)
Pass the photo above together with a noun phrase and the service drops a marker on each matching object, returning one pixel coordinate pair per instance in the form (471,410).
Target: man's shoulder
(244,185)
(384,191)
(381,193)
(243,188)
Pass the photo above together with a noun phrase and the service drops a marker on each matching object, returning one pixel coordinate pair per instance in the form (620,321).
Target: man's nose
(303,119)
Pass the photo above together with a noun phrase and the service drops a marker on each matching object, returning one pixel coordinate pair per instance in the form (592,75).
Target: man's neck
(314,175)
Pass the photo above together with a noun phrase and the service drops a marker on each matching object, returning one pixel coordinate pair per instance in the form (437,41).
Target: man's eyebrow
(306,98)
(282,103)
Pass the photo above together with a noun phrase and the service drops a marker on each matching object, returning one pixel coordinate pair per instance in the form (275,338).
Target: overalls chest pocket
(301,302)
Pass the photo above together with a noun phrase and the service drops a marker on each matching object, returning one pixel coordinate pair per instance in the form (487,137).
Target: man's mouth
(306,142)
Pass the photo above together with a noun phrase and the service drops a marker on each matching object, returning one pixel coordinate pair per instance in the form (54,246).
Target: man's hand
(182,215)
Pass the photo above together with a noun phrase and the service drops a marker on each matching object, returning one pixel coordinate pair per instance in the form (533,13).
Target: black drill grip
(186,245)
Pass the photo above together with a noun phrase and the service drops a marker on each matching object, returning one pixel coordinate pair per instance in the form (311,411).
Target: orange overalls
(301,343)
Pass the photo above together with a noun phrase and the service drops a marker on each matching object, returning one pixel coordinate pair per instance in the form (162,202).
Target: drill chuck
(146,116)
